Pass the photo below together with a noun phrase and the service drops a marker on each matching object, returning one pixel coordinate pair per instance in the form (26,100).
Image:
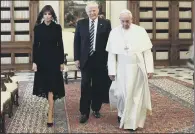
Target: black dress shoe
(83,118)
(119,119)
(131,130)
(96,114)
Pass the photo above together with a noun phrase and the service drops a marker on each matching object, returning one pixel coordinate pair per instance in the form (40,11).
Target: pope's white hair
(91,4)
(126,11)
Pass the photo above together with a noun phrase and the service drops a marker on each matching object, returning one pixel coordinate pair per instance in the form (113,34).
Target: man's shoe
(96,114)
(83,118)
(131,130)
(119,119)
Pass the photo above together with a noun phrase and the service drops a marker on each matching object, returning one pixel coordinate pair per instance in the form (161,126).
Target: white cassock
(130,59)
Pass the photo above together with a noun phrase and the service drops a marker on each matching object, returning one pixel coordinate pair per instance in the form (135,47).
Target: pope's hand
(77,64)
(61,67)
(112,77)
(150,75)
(34,67)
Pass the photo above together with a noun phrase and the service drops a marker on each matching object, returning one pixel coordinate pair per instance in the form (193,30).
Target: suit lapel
(87,26)
(99,26)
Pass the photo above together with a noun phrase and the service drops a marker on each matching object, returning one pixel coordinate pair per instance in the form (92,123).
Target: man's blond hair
(91,4)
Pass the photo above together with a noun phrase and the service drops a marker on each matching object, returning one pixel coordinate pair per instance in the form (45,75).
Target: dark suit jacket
(82,42)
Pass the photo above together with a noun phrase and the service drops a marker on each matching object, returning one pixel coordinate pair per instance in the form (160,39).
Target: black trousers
(91,87)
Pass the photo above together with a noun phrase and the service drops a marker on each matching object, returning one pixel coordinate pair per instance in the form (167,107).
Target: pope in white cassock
(130,65)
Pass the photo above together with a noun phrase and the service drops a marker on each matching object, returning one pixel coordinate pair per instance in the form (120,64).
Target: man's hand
(112,77)
(61,67)
(34,67)
(150,75)
(77,64)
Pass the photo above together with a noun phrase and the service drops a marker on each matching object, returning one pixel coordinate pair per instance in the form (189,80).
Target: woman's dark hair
(47,8)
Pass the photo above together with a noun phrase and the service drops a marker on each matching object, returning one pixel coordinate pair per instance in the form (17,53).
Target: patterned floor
(171,113)
(180,73)
(183,74)
(30,116)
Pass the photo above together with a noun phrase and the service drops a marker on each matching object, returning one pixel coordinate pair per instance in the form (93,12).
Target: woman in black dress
(48,59)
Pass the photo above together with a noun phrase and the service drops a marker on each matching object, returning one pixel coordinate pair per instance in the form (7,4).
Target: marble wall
(113,10)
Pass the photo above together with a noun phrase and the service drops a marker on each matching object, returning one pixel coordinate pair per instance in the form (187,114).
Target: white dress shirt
(95,30)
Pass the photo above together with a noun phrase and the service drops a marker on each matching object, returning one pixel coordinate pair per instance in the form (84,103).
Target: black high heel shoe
(49,124)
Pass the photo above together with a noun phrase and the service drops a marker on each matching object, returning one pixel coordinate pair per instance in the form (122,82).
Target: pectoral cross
(126,48)
(126,45)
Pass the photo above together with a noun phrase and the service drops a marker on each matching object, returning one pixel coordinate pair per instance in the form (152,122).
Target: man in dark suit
(90,41)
